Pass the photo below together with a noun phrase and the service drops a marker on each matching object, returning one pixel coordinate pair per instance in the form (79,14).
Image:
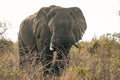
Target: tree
(119,13)
(117,36)
(3,28)
(5,44)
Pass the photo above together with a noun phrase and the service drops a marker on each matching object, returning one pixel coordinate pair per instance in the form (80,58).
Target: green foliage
(8,71)
(107,42)
(94,46)
(81,71)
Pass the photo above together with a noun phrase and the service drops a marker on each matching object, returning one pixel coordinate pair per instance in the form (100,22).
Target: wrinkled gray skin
(51,29)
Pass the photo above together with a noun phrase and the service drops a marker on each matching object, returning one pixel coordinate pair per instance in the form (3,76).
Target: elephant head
(63,26)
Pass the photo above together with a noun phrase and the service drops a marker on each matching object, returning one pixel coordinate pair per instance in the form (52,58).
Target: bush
(104,64)
(5,45)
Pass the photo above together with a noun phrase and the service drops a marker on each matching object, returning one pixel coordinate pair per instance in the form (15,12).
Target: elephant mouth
(63,44)
(54,48)
(59,47)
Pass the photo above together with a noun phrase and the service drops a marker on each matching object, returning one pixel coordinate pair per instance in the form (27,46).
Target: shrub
(5,45)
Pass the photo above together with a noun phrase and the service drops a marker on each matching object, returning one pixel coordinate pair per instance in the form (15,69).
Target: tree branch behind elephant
(51,29)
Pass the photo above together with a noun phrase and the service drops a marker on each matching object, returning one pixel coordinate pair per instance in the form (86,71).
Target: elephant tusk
(77,45)
(51,47)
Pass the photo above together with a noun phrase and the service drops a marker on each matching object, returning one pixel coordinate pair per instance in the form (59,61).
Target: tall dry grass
(98,59)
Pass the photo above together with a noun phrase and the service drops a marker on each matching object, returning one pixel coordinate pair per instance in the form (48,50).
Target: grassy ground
(97,60)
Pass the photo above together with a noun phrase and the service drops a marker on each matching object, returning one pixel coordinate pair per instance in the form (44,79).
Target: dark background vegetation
(98,59)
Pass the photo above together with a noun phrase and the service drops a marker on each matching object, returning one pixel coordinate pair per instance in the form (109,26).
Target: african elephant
(51,30)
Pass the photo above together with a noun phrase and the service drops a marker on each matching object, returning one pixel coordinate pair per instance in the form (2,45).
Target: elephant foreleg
(46,59)
(62,60)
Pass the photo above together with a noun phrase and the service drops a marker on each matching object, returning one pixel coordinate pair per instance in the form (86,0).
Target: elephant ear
(40,21)
(79,23)
(40,25)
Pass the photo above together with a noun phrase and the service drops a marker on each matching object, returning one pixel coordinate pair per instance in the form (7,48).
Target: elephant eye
(53,14)
(51,25)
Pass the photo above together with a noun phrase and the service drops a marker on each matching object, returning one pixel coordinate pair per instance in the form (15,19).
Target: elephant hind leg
(27,60)
(26,57)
